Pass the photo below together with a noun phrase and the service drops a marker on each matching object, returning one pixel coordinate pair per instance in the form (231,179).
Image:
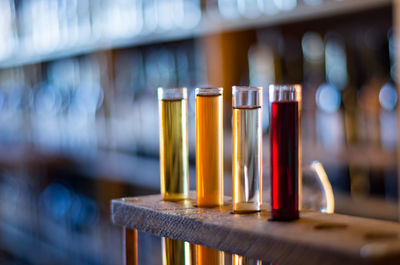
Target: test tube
(209,147)
(285,151)
(173,143)
(209,256)
(176,252)
(240,260)
(247,148)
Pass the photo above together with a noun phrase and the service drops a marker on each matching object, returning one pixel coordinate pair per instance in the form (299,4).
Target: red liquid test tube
(285,103)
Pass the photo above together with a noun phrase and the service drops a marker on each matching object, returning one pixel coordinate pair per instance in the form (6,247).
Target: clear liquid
(175,252)
(209,151)
(174,149)
(247,159)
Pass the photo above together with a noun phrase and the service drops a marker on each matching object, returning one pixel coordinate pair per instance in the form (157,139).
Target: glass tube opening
(209,91)
(244,96)
(285,93)
(172,93)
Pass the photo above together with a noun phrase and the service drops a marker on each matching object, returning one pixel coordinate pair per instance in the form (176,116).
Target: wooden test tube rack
(315,239)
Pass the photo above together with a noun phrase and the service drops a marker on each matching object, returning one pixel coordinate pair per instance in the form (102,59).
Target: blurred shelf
(368,207)
(211,22)
(19,242)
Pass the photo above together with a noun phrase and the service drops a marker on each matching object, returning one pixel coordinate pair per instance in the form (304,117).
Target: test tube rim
(209,91)
(246,88)
(295,88)
(249,91)
(171,93)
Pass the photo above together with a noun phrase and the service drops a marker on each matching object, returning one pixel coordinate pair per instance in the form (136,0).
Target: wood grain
(316,238)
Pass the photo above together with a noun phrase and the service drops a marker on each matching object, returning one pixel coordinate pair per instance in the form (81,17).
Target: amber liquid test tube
(209,147)
(247,149)
(176,252)
(209,256)
(285,174)
(173,143)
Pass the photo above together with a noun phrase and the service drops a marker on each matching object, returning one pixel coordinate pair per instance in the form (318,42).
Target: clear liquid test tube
(247,148)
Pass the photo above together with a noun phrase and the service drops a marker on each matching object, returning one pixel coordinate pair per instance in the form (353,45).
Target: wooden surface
(314,239)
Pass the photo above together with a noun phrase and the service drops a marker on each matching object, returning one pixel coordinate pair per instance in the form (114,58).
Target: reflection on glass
(325,186)
(247,146)
(175,252)
(239,260)
(208,256)
(173,143)
(209,147)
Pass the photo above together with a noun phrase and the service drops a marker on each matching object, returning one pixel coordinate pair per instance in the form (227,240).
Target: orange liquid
(208,256)
(209,151)
(175,252)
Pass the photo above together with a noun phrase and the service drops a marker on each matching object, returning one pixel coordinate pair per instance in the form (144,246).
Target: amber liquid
(247,159)
(173,149)
(209,151)
(208,256)
(175,252)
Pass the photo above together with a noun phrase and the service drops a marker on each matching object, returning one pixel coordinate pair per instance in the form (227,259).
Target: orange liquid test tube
(209,161)
(209,147)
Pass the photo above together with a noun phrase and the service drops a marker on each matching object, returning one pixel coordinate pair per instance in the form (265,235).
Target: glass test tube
(173,143)
(240,260)
(209,256)
(209,147)
(175,252)
(247,148)
(285,151)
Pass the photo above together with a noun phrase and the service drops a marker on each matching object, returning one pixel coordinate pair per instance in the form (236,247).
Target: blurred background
(79,114)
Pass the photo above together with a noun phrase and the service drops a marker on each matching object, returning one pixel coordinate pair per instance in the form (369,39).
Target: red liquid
(285,160)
